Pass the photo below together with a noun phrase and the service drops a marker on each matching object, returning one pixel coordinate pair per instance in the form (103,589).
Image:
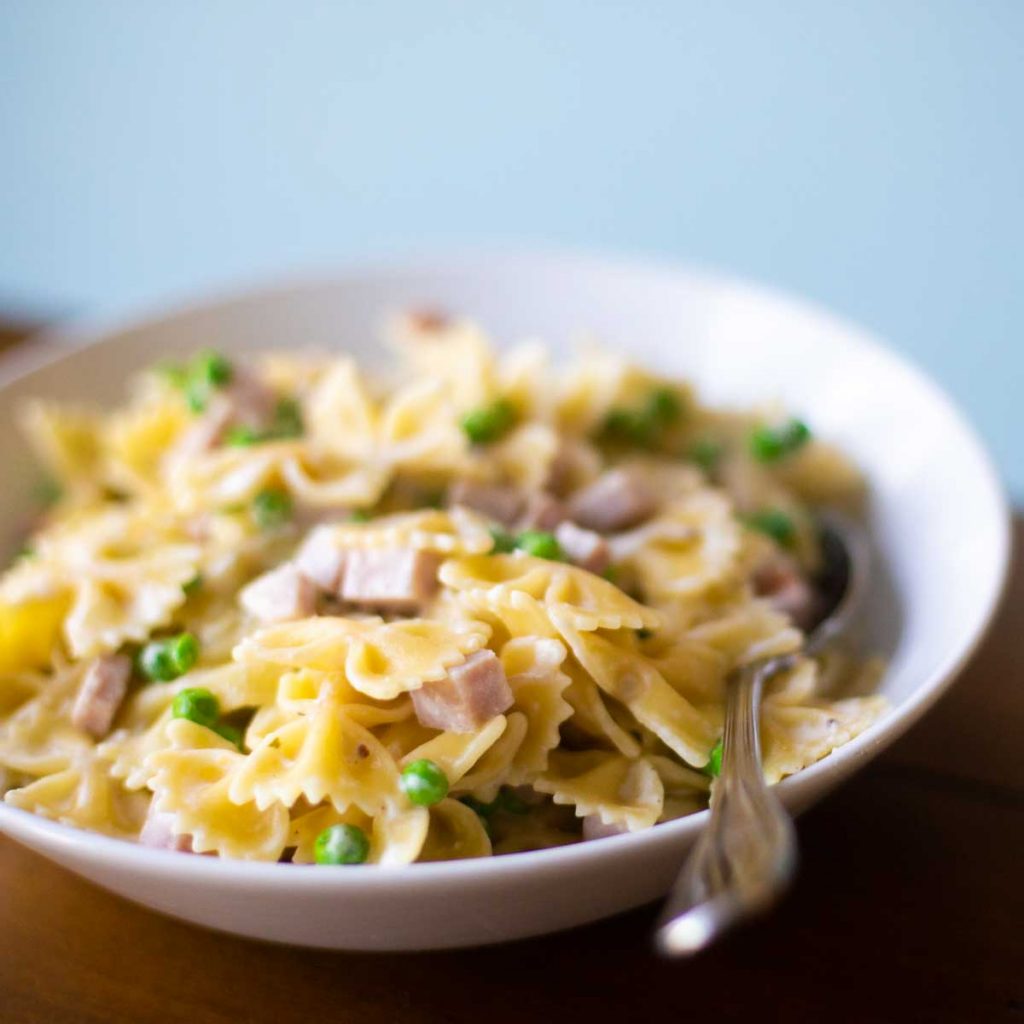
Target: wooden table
(909,908)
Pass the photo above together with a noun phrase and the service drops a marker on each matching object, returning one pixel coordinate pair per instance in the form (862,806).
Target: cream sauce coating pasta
(532,579)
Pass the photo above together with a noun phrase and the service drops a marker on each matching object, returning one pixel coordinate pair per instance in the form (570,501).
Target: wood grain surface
(909,908)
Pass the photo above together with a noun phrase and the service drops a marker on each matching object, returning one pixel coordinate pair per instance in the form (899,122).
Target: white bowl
(940,523)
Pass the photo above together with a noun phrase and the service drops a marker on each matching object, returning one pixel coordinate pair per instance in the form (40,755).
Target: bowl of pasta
(393,609)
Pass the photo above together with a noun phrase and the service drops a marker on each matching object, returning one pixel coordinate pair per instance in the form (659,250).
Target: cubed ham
(206,432)
(574,461)
(503,504)
(245,401)
(780,581)
(158,833)
(472,693)
(100,695)
(585,548)
(321,560)
(595,828)
(616,500)
(390,579)
(426,321)
(280,595)
(252,402)
(542,511)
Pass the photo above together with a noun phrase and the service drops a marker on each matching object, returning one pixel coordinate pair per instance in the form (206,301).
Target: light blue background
(868,154)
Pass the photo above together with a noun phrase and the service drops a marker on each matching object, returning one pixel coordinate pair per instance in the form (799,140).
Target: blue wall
(868,154)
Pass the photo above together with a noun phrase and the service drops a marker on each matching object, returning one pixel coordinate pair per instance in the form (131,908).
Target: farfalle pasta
(291,610)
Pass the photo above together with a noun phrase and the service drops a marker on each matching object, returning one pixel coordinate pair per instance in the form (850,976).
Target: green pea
(714,765)
(481,809)
(287,419)
(197,705)
(769,444)
(504,542)
(242,437)
(359,515)
(611,574)
(489,422)
(205,373)
(664,406)
(643,426)
(510,802)
(230,732)
(706,453)
(192,587)
(197,395)
(211,368)
(48,492)
(341,844)
(174,373)
(628,426)
(164,660)
(540,544)
(506,801)
(774,523)
(271,509)
(155,662)
(424,782)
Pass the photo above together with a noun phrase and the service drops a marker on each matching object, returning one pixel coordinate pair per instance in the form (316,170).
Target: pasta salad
(293,610)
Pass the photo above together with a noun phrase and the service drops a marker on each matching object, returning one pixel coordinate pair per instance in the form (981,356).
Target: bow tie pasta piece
(749,633)
(147,713)
(630,678)
(38,738)
(692,668)
(419,430)
(341,415)
(84,795)
(235,685)
(301,691)
(30,633)
(222,477)
(454,532)
(319,480)
(689,549)
(458,357)
(619,790)
(416,427)
(68,442)
(138,439)
(191,782)
(494,769)
(121,569)
(323,756)
(381,660)
(588,601)
(20,686)
(456,833)
(455,753)
(128,751)
(508,613)
(591,720)
(596,382)
(533,669)
(526,379)
(798,728)
(524,457)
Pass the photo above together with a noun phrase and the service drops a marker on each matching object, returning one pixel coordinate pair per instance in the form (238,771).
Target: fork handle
(745,857)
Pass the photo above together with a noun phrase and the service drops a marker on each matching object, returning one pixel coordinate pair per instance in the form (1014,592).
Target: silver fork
(745,858)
